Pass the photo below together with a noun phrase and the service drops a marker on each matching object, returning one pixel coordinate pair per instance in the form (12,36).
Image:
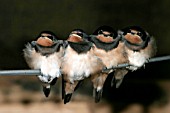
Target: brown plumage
(139,46)
(109,49)
(45,54)
(79,62)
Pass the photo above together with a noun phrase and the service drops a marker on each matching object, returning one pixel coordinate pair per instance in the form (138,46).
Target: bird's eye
(80,34)
(42,36)
(140,34)
(100,32)
(108,35)
(111,35)
(133,33)
(50,37)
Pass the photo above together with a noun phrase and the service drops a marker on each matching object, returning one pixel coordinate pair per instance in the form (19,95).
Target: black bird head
(135,34)
(135,37)
(78,35)
(78,40)
(46,38)
(105,37)
(105,34)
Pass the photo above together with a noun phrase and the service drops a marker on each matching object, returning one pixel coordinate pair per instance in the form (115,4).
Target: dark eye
(111,35)
(50,37)
(80,34)
(107,35)
(140,34)
(100,32)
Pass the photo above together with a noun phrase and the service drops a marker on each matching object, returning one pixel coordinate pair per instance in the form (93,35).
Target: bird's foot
(67,98)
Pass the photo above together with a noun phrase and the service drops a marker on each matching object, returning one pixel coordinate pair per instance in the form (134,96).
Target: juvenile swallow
(45,54)
(108,48)
(139,47)
(79,62)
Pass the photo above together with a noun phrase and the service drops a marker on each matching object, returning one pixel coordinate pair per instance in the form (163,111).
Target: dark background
(21,21)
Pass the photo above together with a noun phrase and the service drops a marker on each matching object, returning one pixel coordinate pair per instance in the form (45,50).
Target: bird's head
(77,35)
(135,34)
(46,38)
(105,34)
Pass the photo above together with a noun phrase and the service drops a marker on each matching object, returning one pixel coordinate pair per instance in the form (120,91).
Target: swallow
(139,46)
(79,62)
(45,54)
(108,48)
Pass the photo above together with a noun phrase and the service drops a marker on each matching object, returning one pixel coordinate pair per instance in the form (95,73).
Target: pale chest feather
(112,57)
(137,59)
(79,66)
(49,66)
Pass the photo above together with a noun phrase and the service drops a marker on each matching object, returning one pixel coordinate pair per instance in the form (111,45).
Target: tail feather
(46,90)
(78,85)
(118,77)
(63,87)
(98,95)
(67,98)
(53,82)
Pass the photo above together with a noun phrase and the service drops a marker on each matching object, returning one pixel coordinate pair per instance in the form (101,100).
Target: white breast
(49,66)
(78,66)
(136,59)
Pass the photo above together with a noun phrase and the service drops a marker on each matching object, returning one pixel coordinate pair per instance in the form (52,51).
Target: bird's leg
(118,77)
(98,83)
(69,89)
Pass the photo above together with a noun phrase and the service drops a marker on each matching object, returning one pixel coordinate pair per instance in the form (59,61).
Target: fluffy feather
(79,62)
(45,54)
(137,51)
(111,52)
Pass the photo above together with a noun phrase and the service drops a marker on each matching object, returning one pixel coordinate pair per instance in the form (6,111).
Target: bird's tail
(46,90)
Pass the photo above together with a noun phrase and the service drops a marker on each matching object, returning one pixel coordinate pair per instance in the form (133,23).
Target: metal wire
(37,72)
(156,59)
(19,72)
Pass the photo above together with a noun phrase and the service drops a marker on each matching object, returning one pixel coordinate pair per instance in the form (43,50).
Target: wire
(156,59)
(19,72)
(37,72)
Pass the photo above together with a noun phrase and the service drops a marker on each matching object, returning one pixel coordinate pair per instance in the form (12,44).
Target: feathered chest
(136,58)
(79,66)
(49,64)
(111,58)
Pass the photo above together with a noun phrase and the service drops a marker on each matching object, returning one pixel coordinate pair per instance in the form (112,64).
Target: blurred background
(144,91)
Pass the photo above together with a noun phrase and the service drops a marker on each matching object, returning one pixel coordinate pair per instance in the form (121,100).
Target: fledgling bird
(108,48)
(79,62)
(139,47)
(45,54)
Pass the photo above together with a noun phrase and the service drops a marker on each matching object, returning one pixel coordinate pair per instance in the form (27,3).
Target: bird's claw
(67,98)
